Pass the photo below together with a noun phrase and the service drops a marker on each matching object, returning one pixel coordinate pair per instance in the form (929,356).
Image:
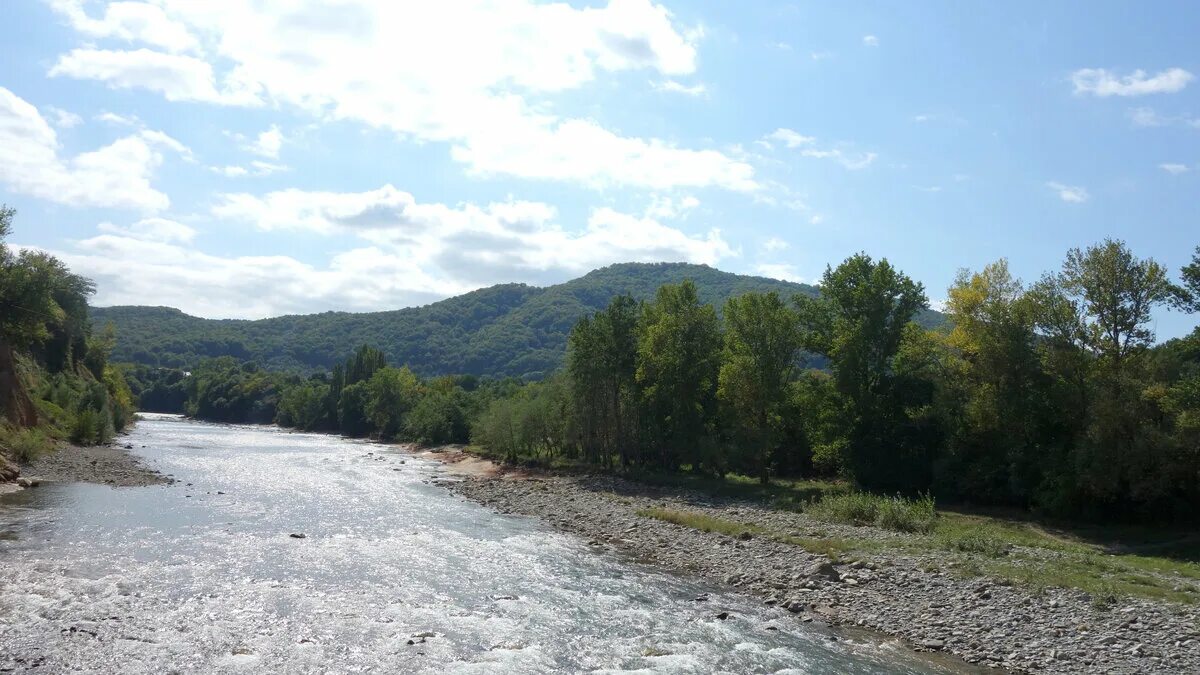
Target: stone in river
(297,535)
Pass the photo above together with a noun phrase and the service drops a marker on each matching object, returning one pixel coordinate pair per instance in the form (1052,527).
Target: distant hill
(509,329)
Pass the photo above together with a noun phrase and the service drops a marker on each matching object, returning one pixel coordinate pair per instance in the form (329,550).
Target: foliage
(678,359)
(25,445)
(44,325)
(890,513)
(762,343)
(510,330)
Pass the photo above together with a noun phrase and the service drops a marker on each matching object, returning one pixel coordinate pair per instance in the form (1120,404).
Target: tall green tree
(762,343)
(1000,425)
(678,360)
(859,322)
(602,363)
(391,394)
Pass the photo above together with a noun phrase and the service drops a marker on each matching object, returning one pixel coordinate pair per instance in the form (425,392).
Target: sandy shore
(911,596)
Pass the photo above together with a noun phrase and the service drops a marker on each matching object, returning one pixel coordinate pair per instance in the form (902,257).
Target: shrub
(25,444)
(974,543)
(890,513)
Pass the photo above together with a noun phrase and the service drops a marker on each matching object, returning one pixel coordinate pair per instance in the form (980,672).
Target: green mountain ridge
(503,330)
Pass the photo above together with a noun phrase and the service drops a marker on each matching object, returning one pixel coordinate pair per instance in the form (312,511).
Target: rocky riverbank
(113,464)
(911,595)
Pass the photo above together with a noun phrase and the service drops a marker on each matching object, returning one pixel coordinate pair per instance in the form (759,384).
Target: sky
(253,159)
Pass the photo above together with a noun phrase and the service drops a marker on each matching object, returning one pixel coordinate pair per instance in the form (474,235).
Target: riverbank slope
(884,581)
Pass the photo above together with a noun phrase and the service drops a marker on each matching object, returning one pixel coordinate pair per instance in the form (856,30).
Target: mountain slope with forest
(504,330)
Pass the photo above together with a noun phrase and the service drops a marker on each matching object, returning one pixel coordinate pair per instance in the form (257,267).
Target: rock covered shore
(912,596)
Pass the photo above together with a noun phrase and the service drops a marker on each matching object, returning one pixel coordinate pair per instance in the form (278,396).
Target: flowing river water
(203,576)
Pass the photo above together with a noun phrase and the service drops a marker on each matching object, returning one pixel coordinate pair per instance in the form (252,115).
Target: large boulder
(821,569)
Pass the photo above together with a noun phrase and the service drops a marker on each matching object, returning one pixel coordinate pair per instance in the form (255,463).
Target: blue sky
(242,159)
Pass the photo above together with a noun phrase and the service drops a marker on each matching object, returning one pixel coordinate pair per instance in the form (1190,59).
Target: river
(203,576)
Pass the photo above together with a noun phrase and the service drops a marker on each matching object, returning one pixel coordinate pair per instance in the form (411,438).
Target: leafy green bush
(24,445)
(890,513)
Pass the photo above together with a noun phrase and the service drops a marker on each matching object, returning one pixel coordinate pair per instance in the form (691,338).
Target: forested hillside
(506,330)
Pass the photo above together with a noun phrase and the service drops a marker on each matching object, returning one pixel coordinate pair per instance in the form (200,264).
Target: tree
(601,359)
(996,395)
(352,410)
(678,357)
(859,322)
(391,394)
(1117,292)
(1187,295)
(762,342)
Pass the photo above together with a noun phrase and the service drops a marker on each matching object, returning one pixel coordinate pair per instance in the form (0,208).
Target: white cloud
(816,219)
(256,168)
(153,229)
(119,120)
(413,253)
(793,140)
(505,241)
(774,244)
(267,143)
(1069,193)
(667,208)
(928,188)
(852,162)
(789,138)
(820,56)
(1102,83)
(1148,117)
(779,271)
(870,41)
(116,175)
(230,171)
(1173,168)
(483,86)
(129,21)
(64,119)
(677,87)
(177,77)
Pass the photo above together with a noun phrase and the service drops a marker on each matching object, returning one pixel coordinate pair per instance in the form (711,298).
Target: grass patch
(835,548)
(890,513)
(24,445)
(787,494)
(702,522)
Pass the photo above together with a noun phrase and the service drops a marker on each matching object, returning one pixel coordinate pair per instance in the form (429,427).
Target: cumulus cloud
(501,241)
(1069,193)
(267,143)
(780,271)
(1103,83)
(774,244)
(1174,168)
(116,175)
(153,229)
(64,119)
(789,138)
(793,140)
(177,77)
(482,86)
(128,21)
(668,208)
(411,253)
(870,41)
(674,86)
